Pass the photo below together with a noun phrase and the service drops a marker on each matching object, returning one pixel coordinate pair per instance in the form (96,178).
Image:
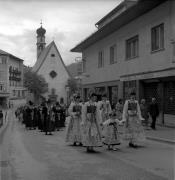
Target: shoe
(133,145)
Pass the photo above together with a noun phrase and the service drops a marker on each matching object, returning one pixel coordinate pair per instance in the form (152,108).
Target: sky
(67,22)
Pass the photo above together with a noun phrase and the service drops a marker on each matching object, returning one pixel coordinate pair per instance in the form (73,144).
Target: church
(50,65)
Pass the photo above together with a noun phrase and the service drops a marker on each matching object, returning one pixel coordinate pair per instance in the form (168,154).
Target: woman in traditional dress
(73,134)
(111,132)
(105,108)
(134,131)
(119,109)
(90,125)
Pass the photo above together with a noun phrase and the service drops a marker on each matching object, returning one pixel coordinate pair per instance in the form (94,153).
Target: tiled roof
(42,57)
(8,54)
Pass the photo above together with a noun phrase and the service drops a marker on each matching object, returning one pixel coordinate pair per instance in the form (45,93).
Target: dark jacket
(154,109)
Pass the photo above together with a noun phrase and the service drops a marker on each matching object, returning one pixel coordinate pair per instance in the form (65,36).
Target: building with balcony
(133,49)
(11,79)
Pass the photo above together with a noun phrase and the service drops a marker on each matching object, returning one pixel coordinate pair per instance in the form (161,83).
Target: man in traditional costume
(90,124)
(134,131)
(73,134)
(47,115)
(62,112)
(57,112)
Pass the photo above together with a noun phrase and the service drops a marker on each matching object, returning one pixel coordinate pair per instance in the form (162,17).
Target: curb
(161,140)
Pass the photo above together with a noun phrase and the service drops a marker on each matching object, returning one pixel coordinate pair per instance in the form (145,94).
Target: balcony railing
(13,78)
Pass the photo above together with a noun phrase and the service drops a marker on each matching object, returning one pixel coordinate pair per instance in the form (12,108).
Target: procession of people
(46,117)
(93,123)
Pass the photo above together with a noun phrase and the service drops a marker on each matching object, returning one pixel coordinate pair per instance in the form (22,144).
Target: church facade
(50,65)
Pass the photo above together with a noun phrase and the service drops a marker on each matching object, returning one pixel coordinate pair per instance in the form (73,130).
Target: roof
(138,9)
(8,54)
(43,55)
(125,3)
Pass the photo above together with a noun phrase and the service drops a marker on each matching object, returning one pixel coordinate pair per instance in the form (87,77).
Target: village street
(30,155)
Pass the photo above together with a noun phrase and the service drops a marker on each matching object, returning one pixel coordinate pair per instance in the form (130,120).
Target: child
(111,132)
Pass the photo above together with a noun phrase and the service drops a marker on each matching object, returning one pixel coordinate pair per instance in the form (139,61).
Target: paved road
(30,155)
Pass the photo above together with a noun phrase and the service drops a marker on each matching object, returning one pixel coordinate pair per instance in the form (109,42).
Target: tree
(35,83)
(72,83)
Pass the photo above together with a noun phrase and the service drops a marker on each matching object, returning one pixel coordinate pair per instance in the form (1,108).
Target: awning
(149,75)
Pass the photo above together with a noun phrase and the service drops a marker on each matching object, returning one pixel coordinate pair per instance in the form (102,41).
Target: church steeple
(40,40)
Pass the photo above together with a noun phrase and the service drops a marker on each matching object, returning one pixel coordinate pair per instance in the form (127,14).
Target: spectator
(154,112)
(144,112)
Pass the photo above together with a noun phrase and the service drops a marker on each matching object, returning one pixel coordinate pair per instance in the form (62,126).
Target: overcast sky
(66,22)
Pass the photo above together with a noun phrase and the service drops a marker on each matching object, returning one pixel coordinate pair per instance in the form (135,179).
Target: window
(100,59)
(3,60)
(157,38)
(18,93)
(113,54)
(52,55)
(132,47)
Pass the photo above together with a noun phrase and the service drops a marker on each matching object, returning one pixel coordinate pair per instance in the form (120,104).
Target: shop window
(128,87)
(157,38)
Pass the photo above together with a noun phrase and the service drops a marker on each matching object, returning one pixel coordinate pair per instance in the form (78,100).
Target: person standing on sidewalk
(1,118)
(144,112)
(154,112)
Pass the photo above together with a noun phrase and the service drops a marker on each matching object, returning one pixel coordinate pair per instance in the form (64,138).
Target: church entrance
(53,96)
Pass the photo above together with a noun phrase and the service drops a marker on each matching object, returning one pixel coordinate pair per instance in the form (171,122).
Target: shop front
(160,85)
(112,89)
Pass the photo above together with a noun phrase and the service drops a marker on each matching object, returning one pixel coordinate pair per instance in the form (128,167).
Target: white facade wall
(59,82)
(146,61)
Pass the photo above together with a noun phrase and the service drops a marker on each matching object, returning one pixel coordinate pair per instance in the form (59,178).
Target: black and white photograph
(87,89)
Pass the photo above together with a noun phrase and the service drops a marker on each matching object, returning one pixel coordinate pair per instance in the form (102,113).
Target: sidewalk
(161,134)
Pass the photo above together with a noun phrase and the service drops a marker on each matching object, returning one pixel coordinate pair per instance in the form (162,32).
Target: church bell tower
(40,40)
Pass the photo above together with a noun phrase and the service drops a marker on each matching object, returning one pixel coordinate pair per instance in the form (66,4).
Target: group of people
(47,117)
(93,123)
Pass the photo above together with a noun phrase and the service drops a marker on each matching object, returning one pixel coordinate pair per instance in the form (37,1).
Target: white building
(134,48)
(50,65)
(11,80)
